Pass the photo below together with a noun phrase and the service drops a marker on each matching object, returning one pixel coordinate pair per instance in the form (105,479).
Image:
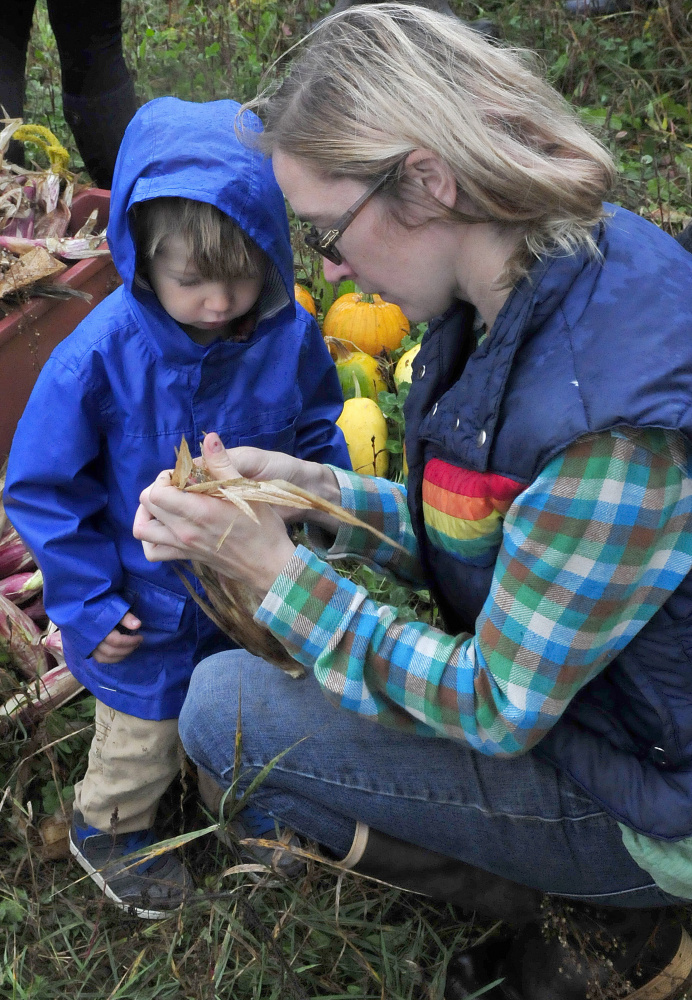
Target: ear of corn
(14,555)
(231,605)
(21,587)
(19,640)
(33,653)
(40,697)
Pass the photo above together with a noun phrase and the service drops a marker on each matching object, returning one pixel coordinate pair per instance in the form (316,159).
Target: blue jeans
(519,818)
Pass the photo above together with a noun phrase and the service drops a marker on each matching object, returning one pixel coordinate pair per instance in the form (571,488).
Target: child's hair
(377,82)
(216,245)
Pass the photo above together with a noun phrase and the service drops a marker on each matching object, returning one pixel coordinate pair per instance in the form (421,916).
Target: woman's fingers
(217,459)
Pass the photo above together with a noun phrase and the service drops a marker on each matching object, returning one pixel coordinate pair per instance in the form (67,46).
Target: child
(204,334)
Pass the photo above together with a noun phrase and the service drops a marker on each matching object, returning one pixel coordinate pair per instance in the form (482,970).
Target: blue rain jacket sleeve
(57,502)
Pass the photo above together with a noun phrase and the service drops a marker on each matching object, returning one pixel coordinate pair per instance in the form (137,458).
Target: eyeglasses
(324,243)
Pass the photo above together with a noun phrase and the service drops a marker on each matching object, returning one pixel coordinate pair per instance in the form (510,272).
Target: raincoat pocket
(159,610)
(280,439)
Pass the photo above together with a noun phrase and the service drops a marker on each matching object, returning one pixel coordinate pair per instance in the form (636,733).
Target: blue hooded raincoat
(118,394)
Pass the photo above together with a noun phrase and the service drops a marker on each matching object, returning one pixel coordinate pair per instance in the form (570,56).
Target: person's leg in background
(15,30)
(98,92)
(433,816)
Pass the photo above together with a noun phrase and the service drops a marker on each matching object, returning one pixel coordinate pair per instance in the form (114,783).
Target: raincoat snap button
(481,439)
(434,409)
(456,424)
(421,373)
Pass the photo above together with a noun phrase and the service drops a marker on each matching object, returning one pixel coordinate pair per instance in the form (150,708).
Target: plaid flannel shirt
(590,551)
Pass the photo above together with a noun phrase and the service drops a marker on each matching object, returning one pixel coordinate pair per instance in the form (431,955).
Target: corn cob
(67,247)
(14,555)
(21,587)
(52,641)
(35,609)
(232,604)
(39,698)
(19,638)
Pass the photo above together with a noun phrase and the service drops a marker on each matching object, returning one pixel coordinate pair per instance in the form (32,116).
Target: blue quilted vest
(581,345)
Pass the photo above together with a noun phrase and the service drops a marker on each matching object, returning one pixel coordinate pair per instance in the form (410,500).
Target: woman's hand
(253,463)
(175,525)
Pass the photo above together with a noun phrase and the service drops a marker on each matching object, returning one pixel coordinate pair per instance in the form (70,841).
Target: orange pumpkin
(366,321)
(305,298)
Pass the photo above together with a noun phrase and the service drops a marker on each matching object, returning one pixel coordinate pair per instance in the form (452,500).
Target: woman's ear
(428,170)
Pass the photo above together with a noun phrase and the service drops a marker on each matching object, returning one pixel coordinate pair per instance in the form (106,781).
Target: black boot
(98,125)
(410,867)
(554,949)
(578,952)
(11,99)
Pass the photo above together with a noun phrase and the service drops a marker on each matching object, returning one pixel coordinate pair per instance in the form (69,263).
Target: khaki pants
(131,764)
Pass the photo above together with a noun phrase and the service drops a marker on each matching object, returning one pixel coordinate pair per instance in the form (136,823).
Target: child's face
(205,309)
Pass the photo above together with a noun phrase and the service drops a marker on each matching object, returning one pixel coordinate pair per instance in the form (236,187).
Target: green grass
(321,936)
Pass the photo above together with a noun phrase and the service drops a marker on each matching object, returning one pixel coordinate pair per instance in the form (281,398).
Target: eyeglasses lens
(312,239)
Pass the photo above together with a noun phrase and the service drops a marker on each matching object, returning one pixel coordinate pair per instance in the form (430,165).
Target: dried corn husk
(232,604)
(14,555)
(52,641)
(19,638)
(35,212)
(37,265)
(40,697)
(67,247)
(21,587)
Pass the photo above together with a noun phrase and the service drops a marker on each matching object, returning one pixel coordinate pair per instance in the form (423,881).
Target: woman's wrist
(323,483)
(272,566)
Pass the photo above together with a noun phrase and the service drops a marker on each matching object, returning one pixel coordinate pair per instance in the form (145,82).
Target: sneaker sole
(94,873)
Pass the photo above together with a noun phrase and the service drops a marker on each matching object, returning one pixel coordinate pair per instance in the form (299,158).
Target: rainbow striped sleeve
(464,511)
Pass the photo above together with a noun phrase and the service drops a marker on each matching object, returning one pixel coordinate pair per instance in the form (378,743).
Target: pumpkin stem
(339,349)
(367,297)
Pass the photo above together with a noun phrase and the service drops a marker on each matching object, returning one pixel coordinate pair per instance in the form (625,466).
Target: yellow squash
(365,429)
(359,373)
(366,321)
(403,371)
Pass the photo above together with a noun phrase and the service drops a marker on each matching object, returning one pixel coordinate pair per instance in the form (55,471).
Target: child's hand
(117,644)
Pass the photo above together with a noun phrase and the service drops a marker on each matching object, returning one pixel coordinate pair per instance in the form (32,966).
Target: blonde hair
(216,245)
(377,82)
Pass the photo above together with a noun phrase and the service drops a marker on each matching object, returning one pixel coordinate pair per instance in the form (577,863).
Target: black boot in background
(552,948)
(98,124)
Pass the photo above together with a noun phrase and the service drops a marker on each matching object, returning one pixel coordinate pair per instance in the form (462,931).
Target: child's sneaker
(251,822)
(150,889)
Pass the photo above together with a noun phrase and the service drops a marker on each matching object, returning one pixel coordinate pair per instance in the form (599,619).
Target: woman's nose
(337,272)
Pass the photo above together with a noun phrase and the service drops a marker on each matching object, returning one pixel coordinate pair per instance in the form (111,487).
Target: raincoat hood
(182,149)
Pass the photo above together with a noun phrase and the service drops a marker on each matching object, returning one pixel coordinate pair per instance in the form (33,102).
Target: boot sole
(145,914)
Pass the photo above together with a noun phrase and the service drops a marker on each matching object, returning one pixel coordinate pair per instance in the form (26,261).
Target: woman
(541,743)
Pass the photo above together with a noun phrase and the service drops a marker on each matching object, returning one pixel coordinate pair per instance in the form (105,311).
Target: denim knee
(209,693)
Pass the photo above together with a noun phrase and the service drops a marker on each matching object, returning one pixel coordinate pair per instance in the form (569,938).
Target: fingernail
(215,444)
